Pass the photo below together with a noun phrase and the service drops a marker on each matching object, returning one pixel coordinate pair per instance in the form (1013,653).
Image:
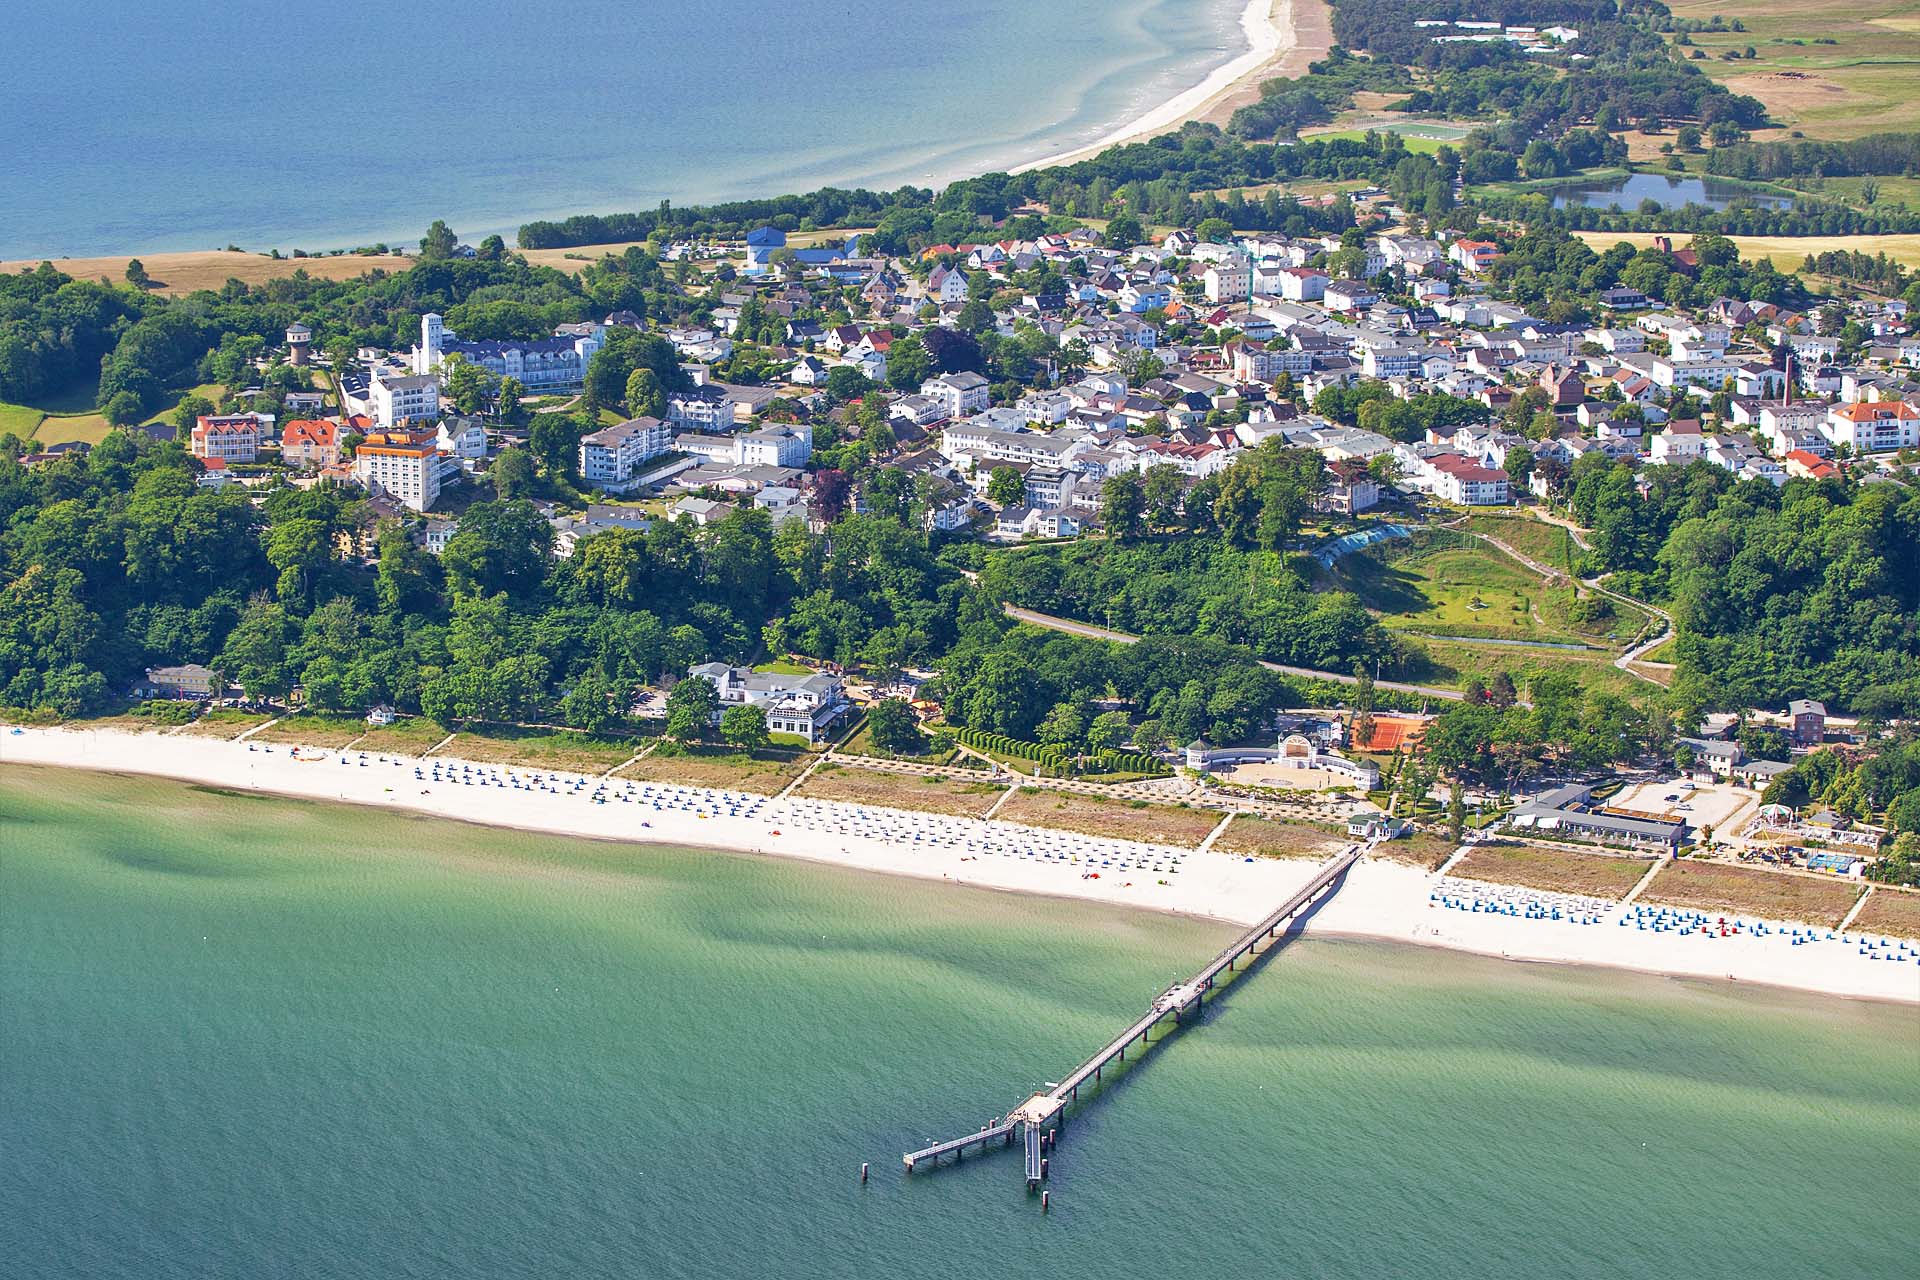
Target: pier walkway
(1039,1116)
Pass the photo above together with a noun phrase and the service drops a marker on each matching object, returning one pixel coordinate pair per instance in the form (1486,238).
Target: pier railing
(1040,1116)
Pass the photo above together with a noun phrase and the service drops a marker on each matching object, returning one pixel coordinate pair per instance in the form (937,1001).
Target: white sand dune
(1379,900)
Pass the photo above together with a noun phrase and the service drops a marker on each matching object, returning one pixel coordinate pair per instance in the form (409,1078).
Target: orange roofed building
(402,465)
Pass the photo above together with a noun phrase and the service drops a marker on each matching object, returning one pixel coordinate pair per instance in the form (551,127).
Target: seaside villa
(805,706)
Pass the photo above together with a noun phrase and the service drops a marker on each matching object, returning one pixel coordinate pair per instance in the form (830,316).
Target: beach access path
(1381,900)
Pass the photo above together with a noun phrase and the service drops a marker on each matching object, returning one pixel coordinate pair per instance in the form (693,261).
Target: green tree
(744,726)
(555,439)
(1006,487)
(1124,231)
(891,724)
(298,549)
(1109,731)
(1214,230)
(646,398)
(1123,505)
(439,242)
(137,274)
(512,473)
(908,364)
(467,384)
(691,705)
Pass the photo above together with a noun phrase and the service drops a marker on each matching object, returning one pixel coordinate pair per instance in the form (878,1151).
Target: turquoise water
(244,1037)
(192,124)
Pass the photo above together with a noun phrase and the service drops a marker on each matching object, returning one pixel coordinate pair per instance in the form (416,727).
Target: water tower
(299,343)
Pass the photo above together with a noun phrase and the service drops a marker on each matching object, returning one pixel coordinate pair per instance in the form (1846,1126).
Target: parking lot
(1699,805)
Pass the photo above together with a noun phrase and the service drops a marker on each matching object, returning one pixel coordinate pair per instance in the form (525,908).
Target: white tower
(433,330)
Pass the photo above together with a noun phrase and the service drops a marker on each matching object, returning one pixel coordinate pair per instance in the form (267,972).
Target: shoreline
(1380,901)
(1282,38)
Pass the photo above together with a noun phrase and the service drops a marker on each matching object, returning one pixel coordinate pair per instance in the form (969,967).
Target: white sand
(1269,30)
(1379,900)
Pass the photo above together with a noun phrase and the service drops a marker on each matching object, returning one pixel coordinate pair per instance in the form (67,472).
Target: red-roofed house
(1457,478)
(1474,255)
(1873,427)
(229,437)
(311,442)
(1802,465)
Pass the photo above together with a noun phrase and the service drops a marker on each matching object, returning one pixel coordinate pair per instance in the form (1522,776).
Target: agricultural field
(1716,886)
(315,729)
(1266,838)
(855,785)
(763,772)
(1828,68)
(177,273)
(1597,875)
(1785,252)
(542,749)
(1891,912)
(1115,819)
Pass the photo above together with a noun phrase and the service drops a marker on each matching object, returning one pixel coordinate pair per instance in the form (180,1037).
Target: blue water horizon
(206,123)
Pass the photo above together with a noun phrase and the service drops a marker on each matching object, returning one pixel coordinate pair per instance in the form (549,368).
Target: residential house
(803,705)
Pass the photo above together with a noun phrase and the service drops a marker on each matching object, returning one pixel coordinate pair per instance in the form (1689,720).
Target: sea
(128,126)
(246,1037)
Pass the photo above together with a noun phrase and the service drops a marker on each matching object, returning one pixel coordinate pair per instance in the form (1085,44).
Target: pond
(1672,193)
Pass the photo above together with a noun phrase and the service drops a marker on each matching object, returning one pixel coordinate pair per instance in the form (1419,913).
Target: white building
(542,364)
(404,466)
(805,706)
(396,398)
(958,393)
(1873,427)
(774,447)
(609,456)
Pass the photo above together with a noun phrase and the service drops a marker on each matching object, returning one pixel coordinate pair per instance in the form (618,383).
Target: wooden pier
(1039,1117)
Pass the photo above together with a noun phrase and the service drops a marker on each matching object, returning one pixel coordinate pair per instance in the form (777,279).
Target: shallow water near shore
(243,1036)
(365,121)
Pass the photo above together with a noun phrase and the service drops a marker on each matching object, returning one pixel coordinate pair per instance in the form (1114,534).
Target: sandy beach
(1380,900)
(1283,37)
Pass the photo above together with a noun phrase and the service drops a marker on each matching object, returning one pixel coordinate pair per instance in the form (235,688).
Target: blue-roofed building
(761,243)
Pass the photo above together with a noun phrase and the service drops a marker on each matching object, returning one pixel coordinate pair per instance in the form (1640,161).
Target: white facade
(409,473)
(608,457)
(398,398)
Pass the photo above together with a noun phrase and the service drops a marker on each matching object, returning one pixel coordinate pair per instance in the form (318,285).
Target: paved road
(1091,632)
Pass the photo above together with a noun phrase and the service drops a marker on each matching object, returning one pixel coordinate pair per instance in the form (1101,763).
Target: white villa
(805,706)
